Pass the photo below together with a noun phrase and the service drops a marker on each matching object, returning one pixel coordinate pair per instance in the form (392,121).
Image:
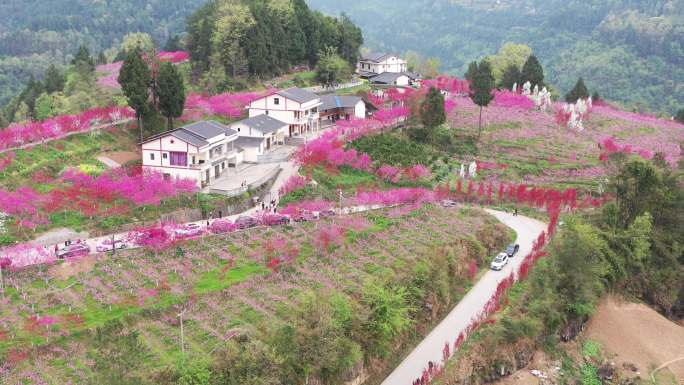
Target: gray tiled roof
(248,141)
(197,133)
(189,137)
(208,129)
(331,101)
(376,57)
(298,95)
(263,123)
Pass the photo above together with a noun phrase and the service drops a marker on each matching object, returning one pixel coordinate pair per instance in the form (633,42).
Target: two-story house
(296,107)
(200,151)
(378,63)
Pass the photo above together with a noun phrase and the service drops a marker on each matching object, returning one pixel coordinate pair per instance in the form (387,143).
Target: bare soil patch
(122,157)
(73,267)
(638,335)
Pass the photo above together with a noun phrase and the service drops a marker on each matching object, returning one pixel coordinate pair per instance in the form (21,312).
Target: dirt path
(430,349)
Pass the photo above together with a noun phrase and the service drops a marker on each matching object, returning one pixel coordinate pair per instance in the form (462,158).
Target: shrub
(393,150)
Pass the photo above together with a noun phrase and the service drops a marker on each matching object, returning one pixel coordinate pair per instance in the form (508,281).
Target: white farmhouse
(378,63)
(200,151)
(295,107)
(259,134)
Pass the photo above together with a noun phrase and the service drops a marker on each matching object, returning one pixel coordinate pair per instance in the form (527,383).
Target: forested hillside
(232,40)
(37,33)
(630,51)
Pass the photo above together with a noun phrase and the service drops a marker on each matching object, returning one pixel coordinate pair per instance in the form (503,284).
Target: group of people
(271,208)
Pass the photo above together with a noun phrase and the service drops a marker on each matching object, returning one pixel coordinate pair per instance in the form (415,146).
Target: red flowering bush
(295,182)
(510,99)
(19,134)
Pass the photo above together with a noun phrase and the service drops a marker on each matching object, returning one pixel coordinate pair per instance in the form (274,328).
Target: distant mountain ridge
(37,33)
(630,51)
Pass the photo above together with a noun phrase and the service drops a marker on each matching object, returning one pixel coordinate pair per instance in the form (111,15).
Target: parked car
(222,226)
(74,250)
(304,216)
(327,213)
(449,203)
(109,245)
(245,222)
(512,249)
(275,220)
(500,261)
(189,230)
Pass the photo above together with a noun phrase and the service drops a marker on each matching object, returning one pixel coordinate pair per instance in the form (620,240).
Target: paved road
(430,349)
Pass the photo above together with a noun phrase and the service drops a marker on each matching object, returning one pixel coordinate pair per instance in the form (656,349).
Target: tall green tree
(332,68)
(171,92)
(432,112)
(83,59)
(54,80)
(580,91)
(351,39)
(471,72)
(533,72)
(135,79)
(173,44)
(481,89)
(680,116)
(510,77)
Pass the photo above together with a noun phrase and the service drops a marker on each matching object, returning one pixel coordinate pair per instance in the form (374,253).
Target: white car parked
(107,245)
(500,261)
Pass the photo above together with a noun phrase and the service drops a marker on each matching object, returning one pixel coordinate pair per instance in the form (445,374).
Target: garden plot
(247,282)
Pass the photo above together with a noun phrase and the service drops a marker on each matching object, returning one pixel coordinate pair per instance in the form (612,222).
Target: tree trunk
(140,126)
(479,127)
(170,123)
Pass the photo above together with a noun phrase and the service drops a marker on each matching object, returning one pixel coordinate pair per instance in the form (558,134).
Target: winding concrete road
(430,349)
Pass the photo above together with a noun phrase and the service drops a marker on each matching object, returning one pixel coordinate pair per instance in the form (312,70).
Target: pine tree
(481,88)
(432,109)
(171,93)
(101,58)
(578,92)
(54,80)
(135,80)
(510,77)
(472,71)
(680,116)
(533,72)
(173,44)
(83,59)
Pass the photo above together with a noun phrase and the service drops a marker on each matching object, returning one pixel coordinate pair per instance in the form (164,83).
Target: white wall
(360,110)
(284,110)
(250,153)
(162,146)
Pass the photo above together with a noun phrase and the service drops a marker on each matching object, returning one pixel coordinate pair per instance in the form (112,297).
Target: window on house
(193,160)
(165,155)
(276,101)
(266,112)
(151,156)
(179,159)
